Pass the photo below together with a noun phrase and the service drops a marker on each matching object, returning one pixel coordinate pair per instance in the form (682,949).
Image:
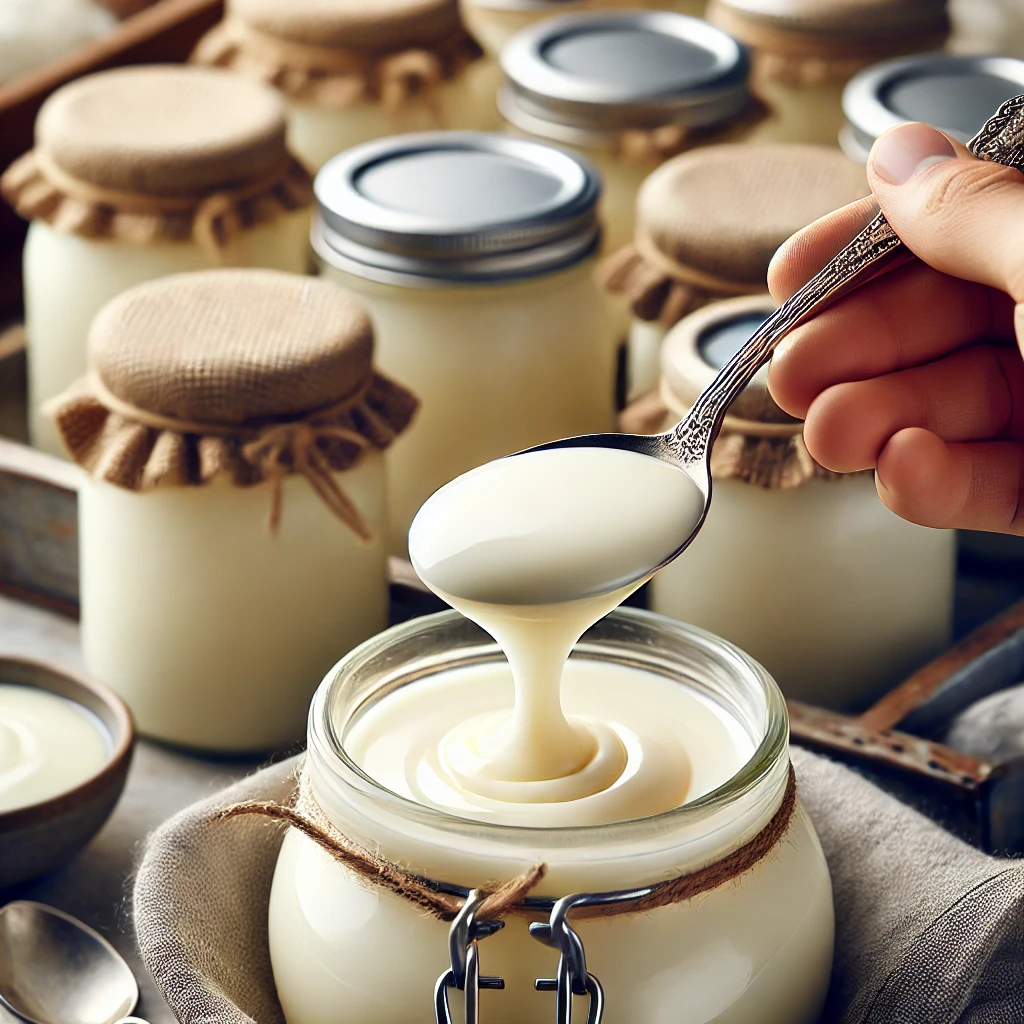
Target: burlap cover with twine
(709,223)
(249,374)
(149,154)
(340,55)
(928,930)
(807,43)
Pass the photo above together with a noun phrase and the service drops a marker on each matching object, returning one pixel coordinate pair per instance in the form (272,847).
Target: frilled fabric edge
(214,221)
(114,448)
(391,78)
(773,463)
(653,294)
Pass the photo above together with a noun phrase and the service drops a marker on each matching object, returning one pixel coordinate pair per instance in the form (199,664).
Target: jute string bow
(276,449)
(307,817)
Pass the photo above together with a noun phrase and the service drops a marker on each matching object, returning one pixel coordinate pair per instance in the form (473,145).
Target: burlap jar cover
(816,42)
(709,223)
(252,375)
(338,55)
(150,154)
(759,444)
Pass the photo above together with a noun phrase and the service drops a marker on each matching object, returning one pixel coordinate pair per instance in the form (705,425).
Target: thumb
(961,215)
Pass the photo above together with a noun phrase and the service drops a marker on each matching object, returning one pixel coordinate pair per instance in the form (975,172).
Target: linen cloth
(928,930)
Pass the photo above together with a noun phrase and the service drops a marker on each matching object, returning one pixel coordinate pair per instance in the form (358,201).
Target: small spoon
(56,970)
(876,250)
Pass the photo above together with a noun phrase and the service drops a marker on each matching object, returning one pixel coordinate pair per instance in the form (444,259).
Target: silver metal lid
(448,207)
(954,94)
(582,78)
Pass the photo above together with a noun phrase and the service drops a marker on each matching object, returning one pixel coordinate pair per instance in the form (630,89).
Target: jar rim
(330,761)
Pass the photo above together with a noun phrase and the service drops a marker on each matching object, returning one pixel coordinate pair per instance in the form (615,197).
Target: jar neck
(458,851)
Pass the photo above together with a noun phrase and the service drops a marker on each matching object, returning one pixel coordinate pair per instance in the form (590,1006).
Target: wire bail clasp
(572,977)
(464,952)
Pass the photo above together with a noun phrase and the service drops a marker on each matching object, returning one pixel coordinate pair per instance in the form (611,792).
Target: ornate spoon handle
(874,251)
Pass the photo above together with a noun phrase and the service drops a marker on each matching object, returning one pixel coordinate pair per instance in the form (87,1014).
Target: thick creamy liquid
(535,549)
(48,745)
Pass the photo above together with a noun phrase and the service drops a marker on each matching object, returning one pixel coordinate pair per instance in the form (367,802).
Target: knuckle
(960,182)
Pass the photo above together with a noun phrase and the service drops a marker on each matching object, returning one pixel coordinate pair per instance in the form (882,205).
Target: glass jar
(955,94)
(804,52)
(139,173)
(757,949)
(354,72)
(627,89)
(474,254)
(708,225)
(232,527)
(809,572)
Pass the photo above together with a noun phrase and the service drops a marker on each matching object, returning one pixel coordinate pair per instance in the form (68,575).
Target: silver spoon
(56,970)
(876,250)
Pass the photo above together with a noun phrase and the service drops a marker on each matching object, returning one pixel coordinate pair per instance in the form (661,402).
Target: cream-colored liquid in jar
(535,549)
(48,745)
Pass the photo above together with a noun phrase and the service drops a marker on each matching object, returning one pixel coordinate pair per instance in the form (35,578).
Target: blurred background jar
(354,71)
(708,224)
(988,26)
(805,570)
(474,254)
(955,94)
(804,52)
(232,524)
(628,90)
(138,173)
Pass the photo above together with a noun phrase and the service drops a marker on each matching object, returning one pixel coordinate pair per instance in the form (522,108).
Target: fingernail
(908,150)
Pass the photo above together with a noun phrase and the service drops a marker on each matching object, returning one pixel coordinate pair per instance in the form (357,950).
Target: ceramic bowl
(43,836)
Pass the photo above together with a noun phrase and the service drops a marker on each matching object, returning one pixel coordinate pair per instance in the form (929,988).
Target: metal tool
(875,250)
(56,970)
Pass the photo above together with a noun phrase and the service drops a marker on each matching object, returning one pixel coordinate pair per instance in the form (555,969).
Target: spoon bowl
(56,970)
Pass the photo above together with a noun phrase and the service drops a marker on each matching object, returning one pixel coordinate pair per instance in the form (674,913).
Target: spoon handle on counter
(877,249)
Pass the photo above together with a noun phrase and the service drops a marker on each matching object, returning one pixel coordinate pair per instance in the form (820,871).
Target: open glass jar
(955,94)
(707,226)
(354,71)
(806,570)
(139,173)
(474,254)
(804,51)
(232,526)
(754,951)
(628,90)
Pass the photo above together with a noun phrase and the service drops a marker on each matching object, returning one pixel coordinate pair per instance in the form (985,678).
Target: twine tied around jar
(444,901)
(340,77)
(38,188)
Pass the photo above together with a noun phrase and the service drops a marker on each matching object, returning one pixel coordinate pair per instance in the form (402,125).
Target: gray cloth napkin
(928,930)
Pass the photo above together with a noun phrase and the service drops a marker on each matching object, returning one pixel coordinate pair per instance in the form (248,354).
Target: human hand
(919,374)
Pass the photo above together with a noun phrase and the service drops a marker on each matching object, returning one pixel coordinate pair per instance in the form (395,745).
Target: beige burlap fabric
(814,42)
(252,374)
(337,55)
(710,221)
(929,931)
(149,153)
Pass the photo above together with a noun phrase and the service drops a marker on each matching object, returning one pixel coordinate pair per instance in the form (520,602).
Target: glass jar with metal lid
(708,224)
(475,255)
(232,523)
(138,173)
(354,71)
(806,570)
(804,51)
(954,94)
(628,90)
(756,948)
